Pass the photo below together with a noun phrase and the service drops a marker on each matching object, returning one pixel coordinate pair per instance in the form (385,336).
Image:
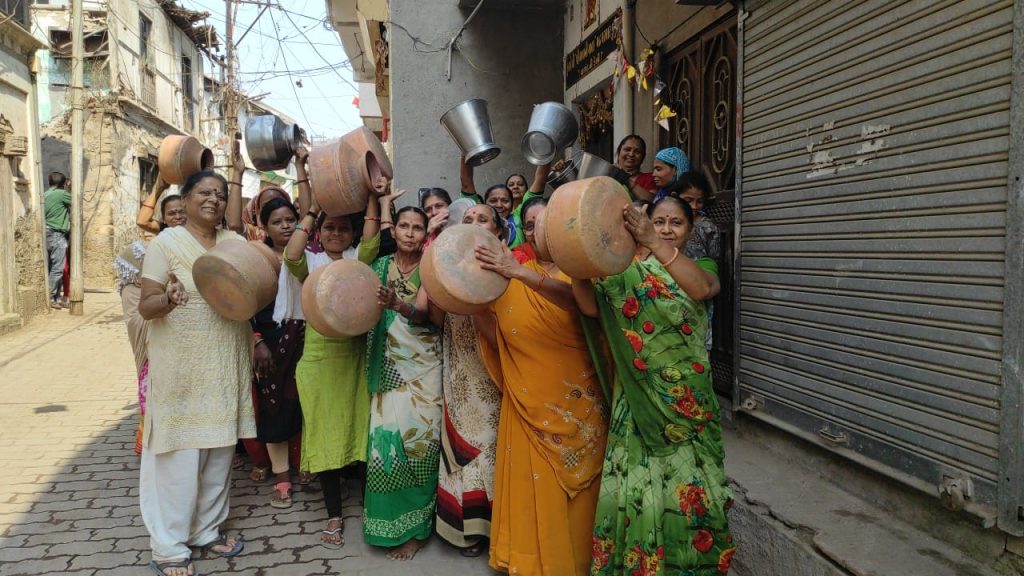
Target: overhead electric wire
(298,101)
(319,55)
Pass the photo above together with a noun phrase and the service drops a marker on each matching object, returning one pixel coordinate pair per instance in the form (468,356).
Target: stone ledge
(791,517)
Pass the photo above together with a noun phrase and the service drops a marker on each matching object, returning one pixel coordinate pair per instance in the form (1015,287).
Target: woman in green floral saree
(404,378)
(664,495)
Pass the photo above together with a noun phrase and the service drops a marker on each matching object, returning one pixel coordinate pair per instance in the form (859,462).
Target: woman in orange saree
(553,422)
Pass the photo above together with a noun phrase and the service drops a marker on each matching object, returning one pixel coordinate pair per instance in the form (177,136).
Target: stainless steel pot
(271,142)
(586,165)
(553,128)
(470,128)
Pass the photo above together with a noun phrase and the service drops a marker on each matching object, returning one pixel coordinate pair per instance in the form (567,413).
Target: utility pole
(77,155)
(231,125)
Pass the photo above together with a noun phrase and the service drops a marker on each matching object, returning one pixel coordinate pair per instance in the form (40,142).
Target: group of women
(570,428)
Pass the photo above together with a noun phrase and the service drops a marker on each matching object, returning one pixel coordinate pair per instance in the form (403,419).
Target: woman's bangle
(257,343)
(312,214)
(306,180)
(372,218)
(150,206)
(672,259)
(541,283)
(239,184)
(257,335)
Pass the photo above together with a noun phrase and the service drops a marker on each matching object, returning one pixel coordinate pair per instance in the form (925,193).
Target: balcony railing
(148,89)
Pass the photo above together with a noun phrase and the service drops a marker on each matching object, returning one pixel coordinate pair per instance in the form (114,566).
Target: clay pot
(375,160)
(236,279)
(336,176)
(452,275)
(540,239)
(181,157)
(268,253)
(339,300)
(584,229)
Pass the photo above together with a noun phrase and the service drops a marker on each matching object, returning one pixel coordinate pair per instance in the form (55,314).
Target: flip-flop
(159,567)
(223,541)
(281,497)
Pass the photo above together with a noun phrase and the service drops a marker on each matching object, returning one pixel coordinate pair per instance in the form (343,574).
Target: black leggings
(330,483)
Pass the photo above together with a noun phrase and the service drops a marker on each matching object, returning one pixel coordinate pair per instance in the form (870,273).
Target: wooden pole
(77,156)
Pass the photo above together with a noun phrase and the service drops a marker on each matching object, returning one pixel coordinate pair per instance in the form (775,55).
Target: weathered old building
(22,245)
(143,68)
(866,160)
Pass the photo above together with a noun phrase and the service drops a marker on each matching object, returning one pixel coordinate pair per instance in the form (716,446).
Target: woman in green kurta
(331,377)
(404,377)
(664,495)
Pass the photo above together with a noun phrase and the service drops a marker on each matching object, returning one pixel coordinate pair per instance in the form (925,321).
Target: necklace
(404,274)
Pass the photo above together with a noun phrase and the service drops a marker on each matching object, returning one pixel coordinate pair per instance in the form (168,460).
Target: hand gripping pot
(452,275)
(236,278)
(339,300)
(584,229)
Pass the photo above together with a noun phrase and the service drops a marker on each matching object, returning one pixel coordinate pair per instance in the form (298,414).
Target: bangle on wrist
(312,214)
(675,255)
(300,228)
(150,206)
(257,343)
(541,283)
(372,218)
(239,184)
(306,180)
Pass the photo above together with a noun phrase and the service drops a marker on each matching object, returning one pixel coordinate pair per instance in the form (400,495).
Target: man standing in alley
(57,204)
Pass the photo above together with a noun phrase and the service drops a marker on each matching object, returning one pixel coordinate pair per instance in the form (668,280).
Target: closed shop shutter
(874,161)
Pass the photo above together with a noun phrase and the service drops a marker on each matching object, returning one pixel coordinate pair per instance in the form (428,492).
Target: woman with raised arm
(331,375)
(172,212)
(200,398)
(664,494)
(517,194)
(404,377)
(553,421)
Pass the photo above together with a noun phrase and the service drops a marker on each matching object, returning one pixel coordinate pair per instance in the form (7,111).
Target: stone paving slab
(70,500)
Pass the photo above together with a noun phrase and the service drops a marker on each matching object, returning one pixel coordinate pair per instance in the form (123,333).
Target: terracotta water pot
(584,230)
(540,239)
(452,275)
(181,157)
(236,279)
(268,253)
(336,174)
(340,300)
(375,160)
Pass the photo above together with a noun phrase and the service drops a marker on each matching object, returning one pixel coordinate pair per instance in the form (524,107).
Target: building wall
(510,62)
(22,277)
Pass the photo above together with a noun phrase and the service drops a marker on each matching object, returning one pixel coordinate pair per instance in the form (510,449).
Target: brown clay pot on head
(375,162)
(584,229)
(336,176)
(236,279)
(540,239)
(181,157)
(339,300)
(452,275)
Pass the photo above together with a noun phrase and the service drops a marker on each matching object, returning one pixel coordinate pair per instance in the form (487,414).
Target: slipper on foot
(223,541)
(159,567)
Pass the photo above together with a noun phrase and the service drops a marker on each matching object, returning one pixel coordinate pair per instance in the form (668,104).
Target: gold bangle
(672,259)
(239,184)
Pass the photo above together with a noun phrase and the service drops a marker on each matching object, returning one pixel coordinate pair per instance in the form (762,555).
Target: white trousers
(184,498)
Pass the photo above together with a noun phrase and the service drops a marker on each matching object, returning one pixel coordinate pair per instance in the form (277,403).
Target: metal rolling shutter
(873,228)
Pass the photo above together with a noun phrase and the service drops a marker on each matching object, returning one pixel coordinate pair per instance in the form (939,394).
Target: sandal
(159,567)
(222,540)
(306,478)
(259,474)
(339,531)
(237,463)
(475,550)
(282,496)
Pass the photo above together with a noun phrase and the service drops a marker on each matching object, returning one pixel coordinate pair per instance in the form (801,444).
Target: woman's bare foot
(334,534)
(407,551)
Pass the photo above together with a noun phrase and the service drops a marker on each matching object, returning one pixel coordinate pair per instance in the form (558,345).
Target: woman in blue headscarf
(669,165)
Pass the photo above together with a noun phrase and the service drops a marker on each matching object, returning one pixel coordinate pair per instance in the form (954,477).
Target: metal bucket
(470,128)
(271,142)
(553,128)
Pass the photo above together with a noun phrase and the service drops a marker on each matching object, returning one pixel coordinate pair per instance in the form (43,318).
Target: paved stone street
(69,504)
